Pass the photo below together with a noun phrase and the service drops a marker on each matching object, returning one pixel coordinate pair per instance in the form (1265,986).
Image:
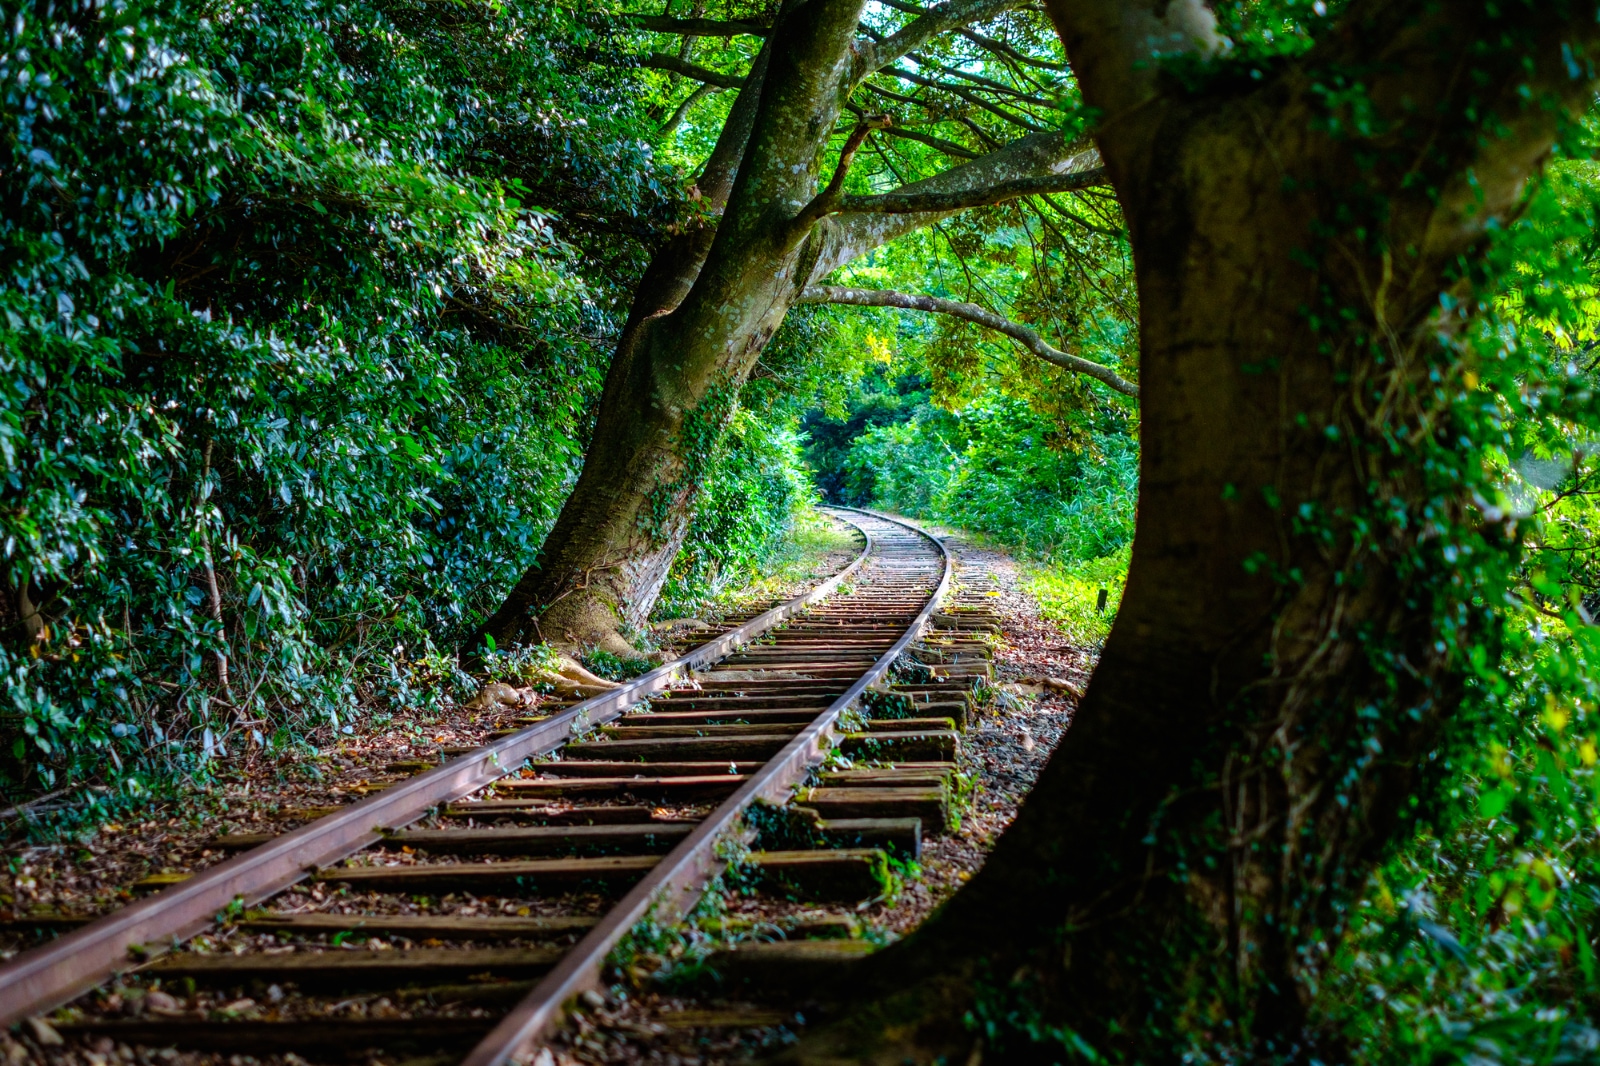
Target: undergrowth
(1080,597)
(797,556)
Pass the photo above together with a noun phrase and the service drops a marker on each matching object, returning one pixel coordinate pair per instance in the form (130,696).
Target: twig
(12,812)
(211,576)
(827,201)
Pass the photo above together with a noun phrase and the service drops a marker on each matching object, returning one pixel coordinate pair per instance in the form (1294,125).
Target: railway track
(453,915)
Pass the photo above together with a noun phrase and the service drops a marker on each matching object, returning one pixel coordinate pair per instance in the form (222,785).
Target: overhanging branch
(967,95)
(839,294)
(978,80)
(938,144)
(933,22)
(906,203)
(1038,155)
(1001,48)
(699,27)
(988,43)
(671,63)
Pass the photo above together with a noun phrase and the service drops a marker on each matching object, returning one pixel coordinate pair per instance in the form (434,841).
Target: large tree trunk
(1254,735)
(599,561)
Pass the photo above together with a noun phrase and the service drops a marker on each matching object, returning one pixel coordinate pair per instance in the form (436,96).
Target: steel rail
(670,890)
(47,976)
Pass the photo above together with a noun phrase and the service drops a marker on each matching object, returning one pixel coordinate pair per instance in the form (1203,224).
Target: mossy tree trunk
(713,296)
(1255,734)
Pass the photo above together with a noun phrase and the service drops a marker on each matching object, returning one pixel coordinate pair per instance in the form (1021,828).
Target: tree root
(583,621)
(568,678)
(677,627)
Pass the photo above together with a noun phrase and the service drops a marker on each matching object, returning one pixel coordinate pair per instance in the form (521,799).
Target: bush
(1069,594)
(745,516)
(996,467)
(290,392)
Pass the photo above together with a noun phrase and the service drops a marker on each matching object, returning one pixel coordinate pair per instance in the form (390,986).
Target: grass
(1069,594)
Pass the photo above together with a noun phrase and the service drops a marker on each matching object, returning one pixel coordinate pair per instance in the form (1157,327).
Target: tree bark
(1254,736)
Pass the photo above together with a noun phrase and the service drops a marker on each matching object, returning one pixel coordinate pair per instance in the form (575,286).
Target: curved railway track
(627,814)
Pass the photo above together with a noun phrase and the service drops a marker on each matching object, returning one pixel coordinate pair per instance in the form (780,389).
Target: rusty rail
(676,883)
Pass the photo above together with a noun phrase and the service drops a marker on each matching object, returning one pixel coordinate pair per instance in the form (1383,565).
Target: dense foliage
(744,516)
(1476,941)
(306,306)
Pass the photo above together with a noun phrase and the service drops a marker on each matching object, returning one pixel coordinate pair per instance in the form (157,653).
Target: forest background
(307,307)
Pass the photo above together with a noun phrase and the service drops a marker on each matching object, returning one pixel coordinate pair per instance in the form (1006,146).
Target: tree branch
(700,27)
(905,202)
(838,294)
(717,177)
(988,43)
(826,202)
(684,108)
(1038,155)
(981,82)
(1001,48)
(902,98)
(674,269)
(663,61)
(936,114)
(940,19)
(966,94)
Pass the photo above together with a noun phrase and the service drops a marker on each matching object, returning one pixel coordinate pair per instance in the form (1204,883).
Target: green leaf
(1492,803)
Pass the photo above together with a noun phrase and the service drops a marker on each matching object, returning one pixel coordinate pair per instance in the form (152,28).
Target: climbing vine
(698,448)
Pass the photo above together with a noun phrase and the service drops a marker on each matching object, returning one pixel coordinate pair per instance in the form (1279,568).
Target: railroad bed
(458,911)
